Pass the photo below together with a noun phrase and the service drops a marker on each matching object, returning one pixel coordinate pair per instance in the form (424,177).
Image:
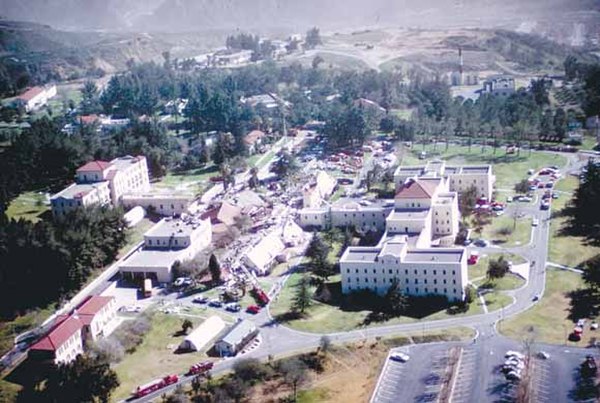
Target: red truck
(200,368)
(155,385)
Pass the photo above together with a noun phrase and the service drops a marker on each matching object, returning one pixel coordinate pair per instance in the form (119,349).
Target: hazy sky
(198,15)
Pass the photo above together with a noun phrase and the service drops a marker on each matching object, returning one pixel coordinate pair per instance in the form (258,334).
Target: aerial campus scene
(278,201)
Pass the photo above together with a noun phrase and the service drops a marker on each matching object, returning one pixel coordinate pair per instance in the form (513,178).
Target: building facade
(36,97)
(499,86)
(102,183)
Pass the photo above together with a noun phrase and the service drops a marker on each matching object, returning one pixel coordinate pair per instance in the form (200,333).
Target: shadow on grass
(201,171)
(584,389)
(584,303)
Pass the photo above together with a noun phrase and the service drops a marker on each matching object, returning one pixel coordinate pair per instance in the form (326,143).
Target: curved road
(278,340)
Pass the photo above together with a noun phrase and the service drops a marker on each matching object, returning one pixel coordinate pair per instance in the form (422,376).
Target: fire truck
(155,385)
(200,368)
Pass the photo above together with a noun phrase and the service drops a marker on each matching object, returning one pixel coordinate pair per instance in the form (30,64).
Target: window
(435,290)
(425,272)
(366,279)
(434,281)
(426,290)
(445,290)
(444,272)
(425,281)
(405,271)
(149,241)
(347,270)
(415,271)
(356,271)
(434,272)
(406,281)
(416,281)
(374,271)
(365,271)
(453,281)
(407,290)
(390,271)
(454,272)
(445,281)
(391,280)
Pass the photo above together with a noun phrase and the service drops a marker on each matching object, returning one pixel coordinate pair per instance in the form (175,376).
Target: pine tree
(215,269)
(302,297)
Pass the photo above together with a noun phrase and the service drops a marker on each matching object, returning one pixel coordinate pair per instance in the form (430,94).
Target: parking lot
(420,379)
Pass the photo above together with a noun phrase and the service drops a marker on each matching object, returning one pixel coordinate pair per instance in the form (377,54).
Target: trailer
(155,385)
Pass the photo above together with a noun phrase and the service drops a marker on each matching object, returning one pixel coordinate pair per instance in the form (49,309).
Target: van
(147,288)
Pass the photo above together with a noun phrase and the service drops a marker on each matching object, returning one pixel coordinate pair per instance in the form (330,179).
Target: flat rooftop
(404,214)
(359,254)
(169,226)
(79,190)
(152,258)
(122,163)
(475,169)
(432,255)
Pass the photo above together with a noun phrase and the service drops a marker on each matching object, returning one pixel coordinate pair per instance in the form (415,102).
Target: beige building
(99,317)
(102,183)
(36,97)
(460,178)
(168,241)
(159,203)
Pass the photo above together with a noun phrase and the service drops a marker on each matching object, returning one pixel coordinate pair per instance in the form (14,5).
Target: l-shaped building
(420,226)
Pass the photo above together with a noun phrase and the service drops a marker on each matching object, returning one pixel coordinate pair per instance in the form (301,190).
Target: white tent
(203,334)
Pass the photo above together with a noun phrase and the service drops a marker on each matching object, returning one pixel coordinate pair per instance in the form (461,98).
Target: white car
(400,357)
(515,363)
(594,326)
(543,355)
(535,222)
(516,354)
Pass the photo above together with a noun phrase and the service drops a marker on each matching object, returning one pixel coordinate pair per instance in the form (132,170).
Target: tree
(584,213)
(285,165)
(522,187)
(318,252)
(250,370)
(395,302)
(317,61)
(82,380)
(253,182)
(325,344)
(467,200)
(294,373)
(186,326)
(313,38)
(215,269)
(89,98)
(470,294)
(497,268)
(591,273)
(302,298)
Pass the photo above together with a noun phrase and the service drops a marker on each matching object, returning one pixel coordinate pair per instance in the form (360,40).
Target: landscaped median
(508,231)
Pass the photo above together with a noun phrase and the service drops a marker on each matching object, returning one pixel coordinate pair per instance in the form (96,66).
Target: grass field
(496,300)
(184,178)
(29,205)
(563,249)
(509,169)
(548,320)
(155,357)
(508,282)
(321,317)
(518,232)
(479,270)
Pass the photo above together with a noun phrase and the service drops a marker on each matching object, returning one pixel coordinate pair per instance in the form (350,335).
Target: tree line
(44,262)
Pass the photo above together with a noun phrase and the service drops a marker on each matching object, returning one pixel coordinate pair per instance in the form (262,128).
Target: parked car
(543,355)
(512,353)
(215,303)
(400,357)
(482,243)
(200,299)
(182,281)
(233,307)
(535,298)
(467,242)
(473,258)
(594,326)
(535,222)
(253,309)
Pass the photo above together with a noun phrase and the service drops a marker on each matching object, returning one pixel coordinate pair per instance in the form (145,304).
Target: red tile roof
(30,94)
(91,307)
(89,119)
(253,137)
(416,189)
(94,166)
(66,327)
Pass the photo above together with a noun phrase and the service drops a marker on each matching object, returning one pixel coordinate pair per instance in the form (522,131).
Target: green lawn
(497,300)
(155,357)
(566,249)
(508,282)
(321,317)
(480,269)
(509,169)
(186,178)
(518,231)
(548,321)
(28,205)
(567,184)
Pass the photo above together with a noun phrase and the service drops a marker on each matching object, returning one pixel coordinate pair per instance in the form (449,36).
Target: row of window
(391,271)
(426,290)
(416,280)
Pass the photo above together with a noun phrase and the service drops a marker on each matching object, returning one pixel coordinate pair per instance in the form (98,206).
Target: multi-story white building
(168,241)
(160,203)
(420,228)
(460,178)
(318,190)
(98,315)
(101,182)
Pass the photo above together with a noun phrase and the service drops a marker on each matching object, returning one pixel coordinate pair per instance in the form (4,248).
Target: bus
(147,290)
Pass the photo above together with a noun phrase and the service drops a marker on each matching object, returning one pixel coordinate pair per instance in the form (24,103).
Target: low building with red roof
(253,140)
(99,316)
(36,97)
(62,343)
